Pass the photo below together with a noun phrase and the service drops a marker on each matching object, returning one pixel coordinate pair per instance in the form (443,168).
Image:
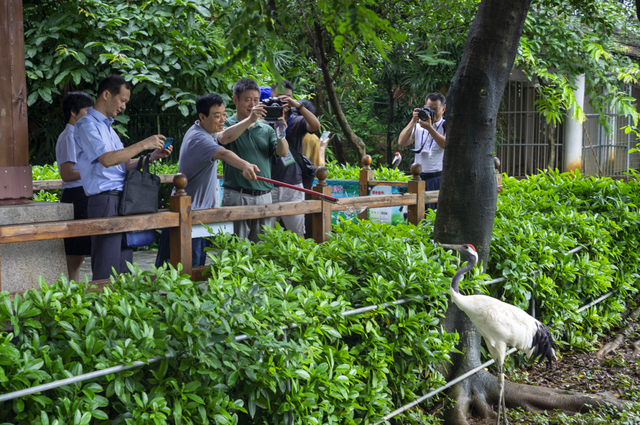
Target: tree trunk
(468,195)
(467,204)
(551,157)
(316,40)
(389,122)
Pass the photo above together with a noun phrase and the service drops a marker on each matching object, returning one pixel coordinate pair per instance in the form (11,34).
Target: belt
(249,192)
(110,192)
(430,175)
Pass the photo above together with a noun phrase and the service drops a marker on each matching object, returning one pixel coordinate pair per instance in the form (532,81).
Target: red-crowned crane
(396,160)
(500,324)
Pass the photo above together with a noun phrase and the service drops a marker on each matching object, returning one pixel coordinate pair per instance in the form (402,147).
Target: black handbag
(140,192)
(307,168)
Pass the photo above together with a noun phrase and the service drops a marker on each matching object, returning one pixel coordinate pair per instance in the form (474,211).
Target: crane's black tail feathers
(543,345)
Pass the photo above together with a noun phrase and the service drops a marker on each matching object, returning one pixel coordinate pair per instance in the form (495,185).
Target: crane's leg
(501,382)
(504,403)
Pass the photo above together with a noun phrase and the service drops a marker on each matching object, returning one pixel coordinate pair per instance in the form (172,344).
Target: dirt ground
(618,373)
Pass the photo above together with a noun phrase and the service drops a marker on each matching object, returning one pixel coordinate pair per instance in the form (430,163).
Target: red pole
(311,192)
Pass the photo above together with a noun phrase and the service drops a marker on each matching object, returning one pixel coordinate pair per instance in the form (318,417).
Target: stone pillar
(573,132)
(22,263)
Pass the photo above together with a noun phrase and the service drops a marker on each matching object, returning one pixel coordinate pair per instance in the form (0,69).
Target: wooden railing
(180,218)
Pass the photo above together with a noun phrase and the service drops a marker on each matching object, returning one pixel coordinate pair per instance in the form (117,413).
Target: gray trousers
(247,229)
(293,223)
(107,250)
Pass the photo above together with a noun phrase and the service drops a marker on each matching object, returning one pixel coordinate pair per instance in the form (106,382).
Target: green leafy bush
(352,172)
(538,221)
(326,368)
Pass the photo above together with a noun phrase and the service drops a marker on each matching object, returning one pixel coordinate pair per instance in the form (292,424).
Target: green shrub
(327,368)
(538,221)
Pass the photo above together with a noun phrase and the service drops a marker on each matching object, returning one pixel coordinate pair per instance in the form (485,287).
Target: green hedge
(345,370)
(336,172)
(542,218)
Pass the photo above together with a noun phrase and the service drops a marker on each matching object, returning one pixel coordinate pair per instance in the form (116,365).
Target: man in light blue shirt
(103,162)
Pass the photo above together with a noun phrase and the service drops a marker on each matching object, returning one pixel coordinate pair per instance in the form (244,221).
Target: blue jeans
(431,182)
(198,245)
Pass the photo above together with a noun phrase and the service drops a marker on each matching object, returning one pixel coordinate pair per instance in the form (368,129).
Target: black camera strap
(444,128)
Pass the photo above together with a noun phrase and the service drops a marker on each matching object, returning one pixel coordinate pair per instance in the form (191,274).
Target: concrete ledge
(21,264)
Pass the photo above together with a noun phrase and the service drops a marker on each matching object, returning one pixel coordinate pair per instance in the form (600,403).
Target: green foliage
(326,368)
(559,44)
(538,221)
(352,172)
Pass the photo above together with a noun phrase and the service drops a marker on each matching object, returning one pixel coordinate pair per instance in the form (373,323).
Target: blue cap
(265,92)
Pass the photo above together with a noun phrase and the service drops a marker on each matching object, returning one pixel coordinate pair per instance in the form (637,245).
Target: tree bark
(389,122)
(467,204)
(468,195)
(551,157)
(316,40)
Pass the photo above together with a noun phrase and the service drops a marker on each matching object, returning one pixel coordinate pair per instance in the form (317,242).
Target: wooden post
(180,236)
(416,185)
(15,171)
(496,162)
(366,174)
(321,222)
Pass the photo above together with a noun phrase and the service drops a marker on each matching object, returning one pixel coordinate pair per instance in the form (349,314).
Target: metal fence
(523,137)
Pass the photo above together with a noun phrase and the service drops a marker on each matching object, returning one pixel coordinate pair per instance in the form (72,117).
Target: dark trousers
(198,245)
(431,182)
(106,250)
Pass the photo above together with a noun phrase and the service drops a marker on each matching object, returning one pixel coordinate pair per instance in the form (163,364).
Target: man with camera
(256,144)
(289,169)
(427,130)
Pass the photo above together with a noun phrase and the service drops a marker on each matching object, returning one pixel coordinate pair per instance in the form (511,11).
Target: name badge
(288,160)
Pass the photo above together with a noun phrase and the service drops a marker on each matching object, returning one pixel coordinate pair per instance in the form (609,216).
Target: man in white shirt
(429,140)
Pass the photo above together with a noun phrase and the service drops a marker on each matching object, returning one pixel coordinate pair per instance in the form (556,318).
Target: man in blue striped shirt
(103,162)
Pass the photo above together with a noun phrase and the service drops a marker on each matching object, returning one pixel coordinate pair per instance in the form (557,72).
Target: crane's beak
(449,246)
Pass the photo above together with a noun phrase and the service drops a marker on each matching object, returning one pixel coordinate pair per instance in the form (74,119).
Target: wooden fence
(180,218)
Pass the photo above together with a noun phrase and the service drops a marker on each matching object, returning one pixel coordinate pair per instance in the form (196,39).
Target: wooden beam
(376,201)
(28,232)
(14,131)
(387,183)
(57,184)
(250,212)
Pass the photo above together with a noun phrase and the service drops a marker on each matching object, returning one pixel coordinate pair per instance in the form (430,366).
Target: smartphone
(325,135)
(167,142)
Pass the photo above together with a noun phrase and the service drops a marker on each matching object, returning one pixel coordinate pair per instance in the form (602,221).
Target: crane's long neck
(455,282)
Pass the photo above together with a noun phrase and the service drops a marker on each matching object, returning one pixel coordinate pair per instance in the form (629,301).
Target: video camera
(426,112)
(273,106)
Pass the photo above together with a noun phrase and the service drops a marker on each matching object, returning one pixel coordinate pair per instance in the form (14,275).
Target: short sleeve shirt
(94,137)
(255,145)
(296,130)
(432,154)
(197,164)
(66,152)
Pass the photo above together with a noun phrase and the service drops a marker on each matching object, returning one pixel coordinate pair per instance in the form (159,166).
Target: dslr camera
(273,106)
(426,112)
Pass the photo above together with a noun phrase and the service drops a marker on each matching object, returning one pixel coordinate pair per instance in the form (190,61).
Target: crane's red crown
(397,153)
(471,246)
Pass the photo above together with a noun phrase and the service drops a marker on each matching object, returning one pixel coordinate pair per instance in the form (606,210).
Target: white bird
(396,160)
(500,324)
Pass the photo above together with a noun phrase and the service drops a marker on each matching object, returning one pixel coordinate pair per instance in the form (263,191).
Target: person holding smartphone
(103,162)
(300,121)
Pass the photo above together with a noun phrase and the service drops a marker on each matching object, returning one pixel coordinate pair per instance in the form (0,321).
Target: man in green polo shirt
(256,144)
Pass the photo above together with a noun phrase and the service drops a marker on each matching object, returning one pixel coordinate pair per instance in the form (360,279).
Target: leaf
(303,374)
